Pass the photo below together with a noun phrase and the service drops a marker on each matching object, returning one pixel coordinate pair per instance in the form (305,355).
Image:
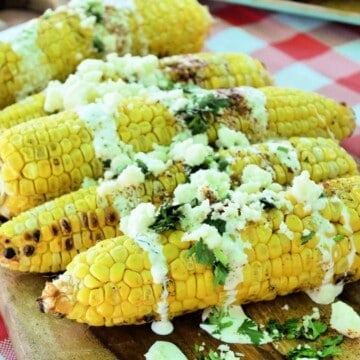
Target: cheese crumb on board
(345,320)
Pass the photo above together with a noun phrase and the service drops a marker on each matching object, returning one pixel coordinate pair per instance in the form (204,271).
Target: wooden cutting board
(38,336)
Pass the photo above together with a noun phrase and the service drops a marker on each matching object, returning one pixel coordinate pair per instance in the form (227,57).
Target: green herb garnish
(338,237)
(167,218)
(95,9)
(144,168)
(283,149)
(106,163)
(328,349)
(313,330)
(98,44)
(219,224)
(217,317)
(308,237)
(198,112)
(251,329)
(213,258)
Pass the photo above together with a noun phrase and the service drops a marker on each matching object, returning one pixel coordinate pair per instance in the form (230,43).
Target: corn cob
(53,232)
(38,169)
(210,71)
(114,282)
(57,41)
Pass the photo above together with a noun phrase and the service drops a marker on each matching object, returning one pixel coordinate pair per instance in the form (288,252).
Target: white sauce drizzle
(136,225)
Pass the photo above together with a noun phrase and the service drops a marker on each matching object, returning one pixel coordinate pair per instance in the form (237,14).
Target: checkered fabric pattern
(300,52)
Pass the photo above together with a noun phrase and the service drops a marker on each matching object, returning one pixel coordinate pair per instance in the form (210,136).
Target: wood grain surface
(38,336)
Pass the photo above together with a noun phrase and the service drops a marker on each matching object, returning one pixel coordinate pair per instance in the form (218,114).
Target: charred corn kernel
(288,271)
(57,41)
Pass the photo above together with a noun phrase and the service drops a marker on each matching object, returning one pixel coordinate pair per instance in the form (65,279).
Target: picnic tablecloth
(301,52)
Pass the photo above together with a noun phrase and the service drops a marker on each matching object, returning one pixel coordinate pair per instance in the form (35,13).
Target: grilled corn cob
(38,162)
(57,41)
(57,230)
(119,281)
(210,71)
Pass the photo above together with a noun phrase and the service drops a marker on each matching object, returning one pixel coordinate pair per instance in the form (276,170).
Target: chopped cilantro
(222,164)
(221,271)
(294,329)
(338,237)
(106,163)
(283,149)
(328,349)
(98,44)
(308,237)
(143,167)
(197,113)
(267,205)
(204,255)
(167,218)
(219,224)
(314,329)
(95,9)
(290,329)
(216,318)
(251,329)
(302,351)
(332,340)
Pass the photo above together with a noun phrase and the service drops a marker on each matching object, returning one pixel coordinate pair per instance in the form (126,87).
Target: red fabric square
(352,81)
(3,332)
(240,15)
(301,46)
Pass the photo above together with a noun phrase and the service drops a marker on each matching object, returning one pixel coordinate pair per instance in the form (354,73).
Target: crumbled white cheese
(131,176)
(203,184)
(154,165)
(286,154)
(307,192)
(285,307)
(164,350)
(194,215)
(139,220)
(345,320)
(54,100)
(209,234)
(283,229)
(255,178)
(228,138)
(193,151)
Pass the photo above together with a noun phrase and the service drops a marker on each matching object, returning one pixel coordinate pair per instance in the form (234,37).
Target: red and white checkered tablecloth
(300,52)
